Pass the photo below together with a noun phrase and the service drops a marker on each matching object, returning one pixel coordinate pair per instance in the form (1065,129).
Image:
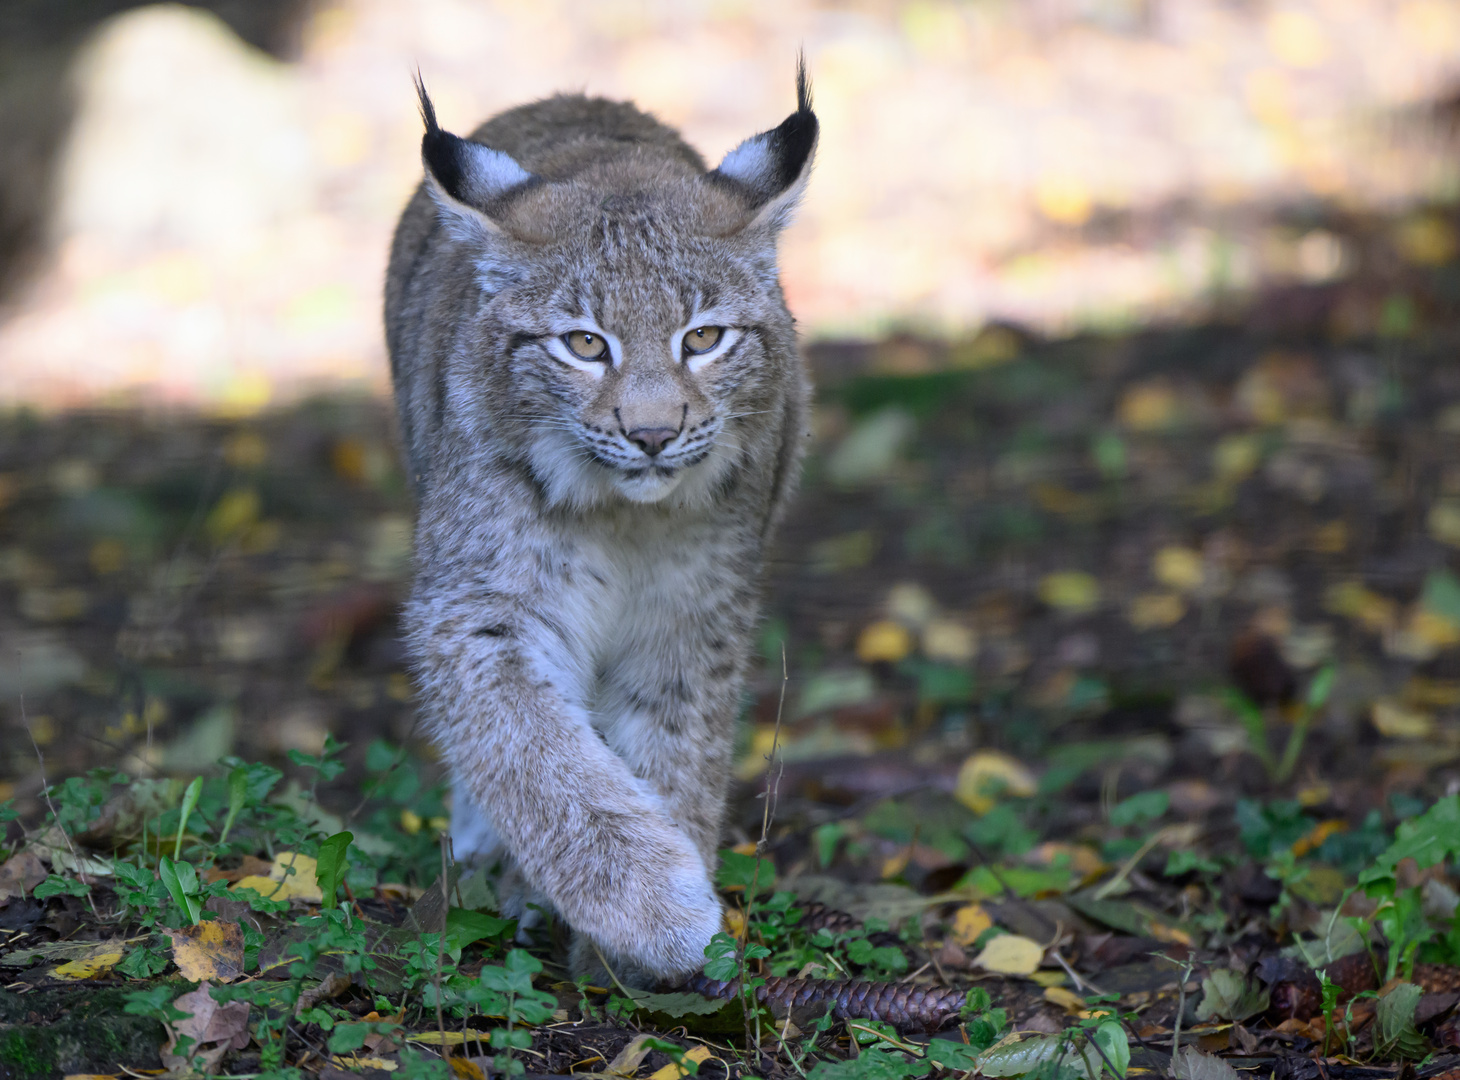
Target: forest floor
(1097,674)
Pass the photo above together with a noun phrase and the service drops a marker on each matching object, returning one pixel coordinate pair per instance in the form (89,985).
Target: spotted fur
(582,608)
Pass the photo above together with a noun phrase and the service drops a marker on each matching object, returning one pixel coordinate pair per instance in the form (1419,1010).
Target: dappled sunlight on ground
(222,216)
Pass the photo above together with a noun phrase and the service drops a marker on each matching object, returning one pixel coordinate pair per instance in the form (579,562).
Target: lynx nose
(651,440)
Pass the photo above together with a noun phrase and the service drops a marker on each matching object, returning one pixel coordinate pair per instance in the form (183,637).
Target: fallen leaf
(1151,611)
(1011,954)
(988,774)
(1398,722)
(697,1054)
(214,1028)
(969,922)
(466,1068)
(21,873)
(1443,521)
(884,641)
(1178,568)
(281,884)
(1068,1000)
(944,639)
(1072,591)
(1150,406)
(628,1060)
(208,950)
(89,967)
(1192,1064)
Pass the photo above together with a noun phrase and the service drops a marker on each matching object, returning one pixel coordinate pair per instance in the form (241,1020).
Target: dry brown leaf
(214,1028)
(209,950)
(21,873)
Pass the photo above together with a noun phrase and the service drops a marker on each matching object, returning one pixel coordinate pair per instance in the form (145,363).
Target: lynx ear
(467,180)
(773,167)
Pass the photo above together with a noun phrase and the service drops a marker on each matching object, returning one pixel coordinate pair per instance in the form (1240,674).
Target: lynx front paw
(656,918)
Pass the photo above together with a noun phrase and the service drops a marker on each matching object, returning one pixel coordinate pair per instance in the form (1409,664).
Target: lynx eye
(586,345)
(702,339)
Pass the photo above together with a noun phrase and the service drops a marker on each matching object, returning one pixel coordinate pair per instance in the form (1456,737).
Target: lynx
(603,411)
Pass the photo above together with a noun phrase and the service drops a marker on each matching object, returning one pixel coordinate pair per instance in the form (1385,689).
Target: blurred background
(1134,323)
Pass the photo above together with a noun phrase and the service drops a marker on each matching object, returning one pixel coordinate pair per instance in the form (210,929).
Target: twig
(1080,983)
(771,796)
(441,943)
(611,973)
(1130,864)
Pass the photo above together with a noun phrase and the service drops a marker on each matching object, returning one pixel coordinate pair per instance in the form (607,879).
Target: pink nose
(651,440)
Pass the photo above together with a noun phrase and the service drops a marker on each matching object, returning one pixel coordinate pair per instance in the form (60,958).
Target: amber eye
(702,339)
(587,345)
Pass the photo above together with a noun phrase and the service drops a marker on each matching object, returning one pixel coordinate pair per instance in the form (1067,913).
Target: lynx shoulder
(603,410)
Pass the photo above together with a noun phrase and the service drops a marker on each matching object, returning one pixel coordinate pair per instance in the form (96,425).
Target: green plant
(1254,721)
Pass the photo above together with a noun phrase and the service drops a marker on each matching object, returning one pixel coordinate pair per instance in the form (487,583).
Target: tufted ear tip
(772,168)
(467,179)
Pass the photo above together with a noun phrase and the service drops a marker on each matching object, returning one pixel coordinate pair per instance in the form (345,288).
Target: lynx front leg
(580,826)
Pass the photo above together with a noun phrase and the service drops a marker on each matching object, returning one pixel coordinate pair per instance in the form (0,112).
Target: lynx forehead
(603,410)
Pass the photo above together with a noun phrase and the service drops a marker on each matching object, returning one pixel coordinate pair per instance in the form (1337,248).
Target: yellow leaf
(885,641)
(1151,611)
(1368,608)
(210,950)
(944,639)
(1236,457)
(301,884)
(1070,591)
(467,1070)
(734,923)
(1068,1000)
(698,1054)
(1398,722)
(1170,934)
(1010,954)
(987,774)
(969,922)
(410,821)
(1427,240)
(1178,568)
(1444,521)
(235,512)
(89,967)
(1150,406)
(437,1038)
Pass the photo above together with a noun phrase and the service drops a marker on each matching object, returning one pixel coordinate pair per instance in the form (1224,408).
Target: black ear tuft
(465,177)
(771,166)
(442,151)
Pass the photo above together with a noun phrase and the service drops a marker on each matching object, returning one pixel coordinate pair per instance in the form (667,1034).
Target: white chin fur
(647,486)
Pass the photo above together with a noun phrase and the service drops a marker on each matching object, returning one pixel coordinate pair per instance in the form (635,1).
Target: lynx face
(636,388)
(633,306)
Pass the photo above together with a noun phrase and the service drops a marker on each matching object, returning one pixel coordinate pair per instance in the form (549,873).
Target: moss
(81,1030)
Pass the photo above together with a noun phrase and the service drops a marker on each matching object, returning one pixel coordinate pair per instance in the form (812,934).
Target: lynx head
(630,337)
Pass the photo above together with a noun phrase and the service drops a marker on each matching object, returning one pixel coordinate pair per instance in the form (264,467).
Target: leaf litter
(1123,714)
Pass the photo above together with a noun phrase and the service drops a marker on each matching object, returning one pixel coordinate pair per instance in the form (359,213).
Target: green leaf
(465,927)
(55,885)
(143,962)
(1016,1059)
(1147,806)
(1111,1038)
(1227,995)
(237,797)
(871,1064)
(190,800)
(737,871)
(1321,687)
(1394,1032)
(347,1037)
(331,865)
(181,881)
